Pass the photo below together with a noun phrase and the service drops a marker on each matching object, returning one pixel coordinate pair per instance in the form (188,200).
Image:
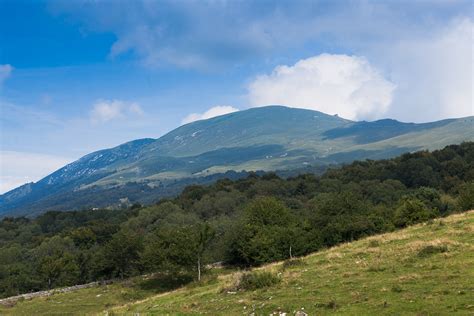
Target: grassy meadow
(425,269)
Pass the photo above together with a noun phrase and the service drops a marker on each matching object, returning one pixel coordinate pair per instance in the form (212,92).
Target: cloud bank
(430,78)
(107,110)
(212,112)
(335,84)
(424,48)
(434,74)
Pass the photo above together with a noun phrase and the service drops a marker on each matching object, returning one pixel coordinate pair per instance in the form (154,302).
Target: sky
(79,76)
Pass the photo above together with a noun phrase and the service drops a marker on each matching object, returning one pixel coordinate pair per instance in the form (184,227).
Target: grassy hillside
(422,270)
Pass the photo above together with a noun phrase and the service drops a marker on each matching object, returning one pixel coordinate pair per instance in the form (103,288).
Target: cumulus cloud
(203,33)
(333,84)
(212,112)
(5,72)
(107,110)
(434,74)
(17,168)
(423,47)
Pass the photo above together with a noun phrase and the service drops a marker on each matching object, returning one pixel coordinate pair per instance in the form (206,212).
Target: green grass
(422,270)
(86,301)
(379,275)
(94,300)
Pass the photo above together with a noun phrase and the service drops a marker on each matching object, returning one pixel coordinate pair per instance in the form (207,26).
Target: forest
(241,223)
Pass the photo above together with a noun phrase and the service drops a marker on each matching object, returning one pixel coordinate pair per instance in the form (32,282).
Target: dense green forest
(245,222)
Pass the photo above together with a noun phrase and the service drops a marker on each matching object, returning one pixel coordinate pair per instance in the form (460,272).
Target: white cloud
(204,33)
(135,108)
(18,168)
(107,110)
(5,72)
(212,112)
(333,84)
(434,74)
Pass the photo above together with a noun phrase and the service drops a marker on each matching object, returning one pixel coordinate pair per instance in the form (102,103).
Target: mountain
(265,138)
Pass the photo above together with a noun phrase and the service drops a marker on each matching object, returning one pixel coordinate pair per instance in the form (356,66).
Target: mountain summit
(264,138)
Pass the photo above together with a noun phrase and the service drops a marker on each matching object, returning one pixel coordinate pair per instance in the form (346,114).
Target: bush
(374,243)
(297,262)
(131,296)
(412,211)
(257,280)
(466,197)
(431,250)
(329,305)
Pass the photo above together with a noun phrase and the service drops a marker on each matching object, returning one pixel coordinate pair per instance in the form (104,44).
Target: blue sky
(78,76)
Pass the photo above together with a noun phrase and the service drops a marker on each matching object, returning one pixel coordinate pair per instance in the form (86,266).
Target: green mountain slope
(266,138)
(260,126)
(421,270)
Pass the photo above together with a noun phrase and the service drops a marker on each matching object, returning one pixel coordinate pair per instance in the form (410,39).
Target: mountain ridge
(264,138)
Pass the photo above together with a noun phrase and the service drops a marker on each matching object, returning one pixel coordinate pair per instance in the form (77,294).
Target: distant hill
(265,138)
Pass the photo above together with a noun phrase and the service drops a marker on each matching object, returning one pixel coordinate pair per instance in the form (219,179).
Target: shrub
(431,250)
(412,211)
(466,197)
(374,243)
(131,296)
(329,305)
(297,262)
(257,280)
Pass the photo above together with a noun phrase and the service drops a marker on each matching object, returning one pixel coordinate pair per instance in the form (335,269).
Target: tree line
(245,222)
